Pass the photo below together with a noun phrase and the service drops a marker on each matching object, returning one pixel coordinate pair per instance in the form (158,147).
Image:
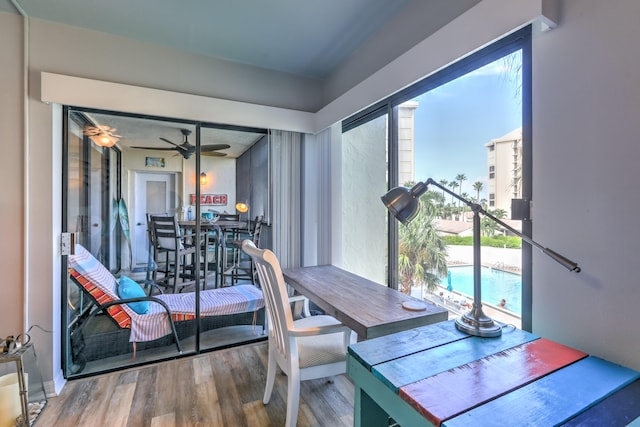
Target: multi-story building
(504,166)
(406,143)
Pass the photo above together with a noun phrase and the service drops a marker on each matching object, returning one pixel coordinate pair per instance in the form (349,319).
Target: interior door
(154,193)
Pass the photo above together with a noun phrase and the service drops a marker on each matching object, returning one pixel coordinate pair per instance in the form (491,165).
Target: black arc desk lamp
(404,204)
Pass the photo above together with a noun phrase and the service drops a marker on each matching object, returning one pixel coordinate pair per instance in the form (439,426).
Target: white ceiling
(254,32)
(309,38)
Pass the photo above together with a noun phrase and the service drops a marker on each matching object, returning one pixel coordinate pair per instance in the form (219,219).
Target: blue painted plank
(424,364)
(619,409)
(390,347)
(552,400)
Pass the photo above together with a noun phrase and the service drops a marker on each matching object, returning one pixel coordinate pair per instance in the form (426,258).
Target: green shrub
(511,242)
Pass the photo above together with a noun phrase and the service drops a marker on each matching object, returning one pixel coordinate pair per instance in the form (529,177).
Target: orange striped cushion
(115,311)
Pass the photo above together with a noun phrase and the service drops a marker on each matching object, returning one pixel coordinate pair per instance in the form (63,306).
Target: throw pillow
(127,288)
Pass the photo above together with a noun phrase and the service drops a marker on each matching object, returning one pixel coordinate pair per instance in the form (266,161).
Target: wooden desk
(368,308)
(437,375)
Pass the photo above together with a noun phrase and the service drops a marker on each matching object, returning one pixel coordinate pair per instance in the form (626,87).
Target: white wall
(586,110)
(11,176)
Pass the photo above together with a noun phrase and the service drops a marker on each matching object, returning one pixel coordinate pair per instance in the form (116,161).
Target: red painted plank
(457,390)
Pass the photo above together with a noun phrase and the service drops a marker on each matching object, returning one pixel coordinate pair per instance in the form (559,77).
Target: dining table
(225,225)
(216,246)
(368,308)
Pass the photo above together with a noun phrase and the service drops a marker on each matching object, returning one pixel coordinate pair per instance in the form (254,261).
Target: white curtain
(317,201)
(285,150)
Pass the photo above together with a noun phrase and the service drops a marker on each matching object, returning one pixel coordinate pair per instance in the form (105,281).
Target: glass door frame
(518,40)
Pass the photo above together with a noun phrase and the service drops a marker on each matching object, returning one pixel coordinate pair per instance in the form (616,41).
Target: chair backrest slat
(165,231)
(275,295)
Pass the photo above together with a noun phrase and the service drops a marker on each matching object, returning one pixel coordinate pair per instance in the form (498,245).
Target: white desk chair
(305,349)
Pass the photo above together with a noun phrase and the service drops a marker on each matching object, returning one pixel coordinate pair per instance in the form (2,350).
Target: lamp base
(478,324)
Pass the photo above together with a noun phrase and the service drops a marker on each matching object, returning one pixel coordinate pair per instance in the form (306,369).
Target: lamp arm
(475,207)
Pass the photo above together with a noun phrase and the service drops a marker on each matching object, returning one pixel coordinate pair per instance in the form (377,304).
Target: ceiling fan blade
(157,148)
(213,154)
(180,147)
(215,147)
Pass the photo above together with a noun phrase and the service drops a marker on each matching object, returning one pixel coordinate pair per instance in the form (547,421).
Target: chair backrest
(257,229)
(165,231)
(98,283)
(229,217)
(275,294)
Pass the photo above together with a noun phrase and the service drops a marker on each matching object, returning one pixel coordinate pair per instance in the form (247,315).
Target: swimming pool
(496,284)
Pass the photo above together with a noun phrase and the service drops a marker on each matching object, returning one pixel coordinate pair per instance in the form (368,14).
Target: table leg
(367,412)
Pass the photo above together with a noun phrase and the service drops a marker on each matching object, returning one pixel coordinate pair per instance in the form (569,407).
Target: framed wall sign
(154,162)
(210,199)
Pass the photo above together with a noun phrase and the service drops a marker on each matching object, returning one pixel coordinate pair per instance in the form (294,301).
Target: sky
(454,121)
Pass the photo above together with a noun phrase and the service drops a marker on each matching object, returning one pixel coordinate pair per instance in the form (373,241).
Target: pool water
(496,284)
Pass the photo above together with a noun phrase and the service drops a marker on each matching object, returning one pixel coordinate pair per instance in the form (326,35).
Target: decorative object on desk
(203,178)
(186,150)
(404,204)
(414,305)
(243,207)
(210,199)
(102,135)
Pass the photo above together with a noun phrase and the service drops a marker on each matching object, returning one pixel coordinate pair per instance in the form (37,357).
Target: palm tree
(453,185)
(488,226)
(461,177)
(421,251)
(478,185)
(444,183)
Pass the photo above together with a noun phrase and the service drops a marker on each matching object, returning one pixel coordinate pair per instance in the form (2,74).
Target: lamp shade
(404,203)
(242,207)
(104,140)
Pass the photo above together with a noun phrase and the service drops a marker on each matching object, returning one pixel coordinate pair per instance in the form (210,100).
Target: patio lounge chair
(163,310)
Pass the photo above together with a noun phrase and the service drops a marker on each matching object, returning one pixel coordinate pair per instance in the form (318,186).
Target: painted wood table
(438,376)
(368,308)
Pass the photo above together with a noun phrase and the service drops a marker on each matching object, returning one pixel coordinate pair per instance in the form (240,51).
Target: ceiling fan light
(104,140)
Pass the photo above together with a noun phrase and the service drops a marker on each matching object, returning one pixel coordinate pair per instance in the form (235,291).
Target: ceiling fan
(102,135)
(186,149)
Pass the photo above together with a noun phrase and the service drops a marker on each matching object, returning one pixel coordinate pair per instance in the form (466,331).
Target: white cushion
(320,349)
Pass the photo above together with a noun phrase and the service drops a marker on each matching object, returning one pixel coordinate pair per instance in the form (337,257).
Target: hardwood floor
(221,388)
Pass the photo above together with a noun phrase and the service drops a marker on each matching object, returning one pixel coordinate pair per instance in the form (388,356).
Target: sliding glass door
(138,195)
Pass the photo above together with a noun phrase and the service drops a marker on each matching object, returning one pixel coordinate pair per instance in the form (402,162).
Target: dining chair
(308,348)
(242,267)
(176,248)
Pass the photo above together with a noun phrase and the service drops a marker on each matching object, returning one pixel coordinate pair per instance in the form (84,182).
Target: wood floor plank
(223,388)
(255,413)
(144,398)
(166,420)
(98,408)
(120,405)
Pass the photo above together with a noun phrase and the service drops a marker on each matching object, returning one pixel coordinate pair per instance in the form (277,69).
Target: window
(443,128)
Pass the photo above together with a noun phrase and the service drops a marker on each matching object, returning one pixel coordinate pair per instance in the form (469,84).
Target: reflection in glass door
(118,171)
